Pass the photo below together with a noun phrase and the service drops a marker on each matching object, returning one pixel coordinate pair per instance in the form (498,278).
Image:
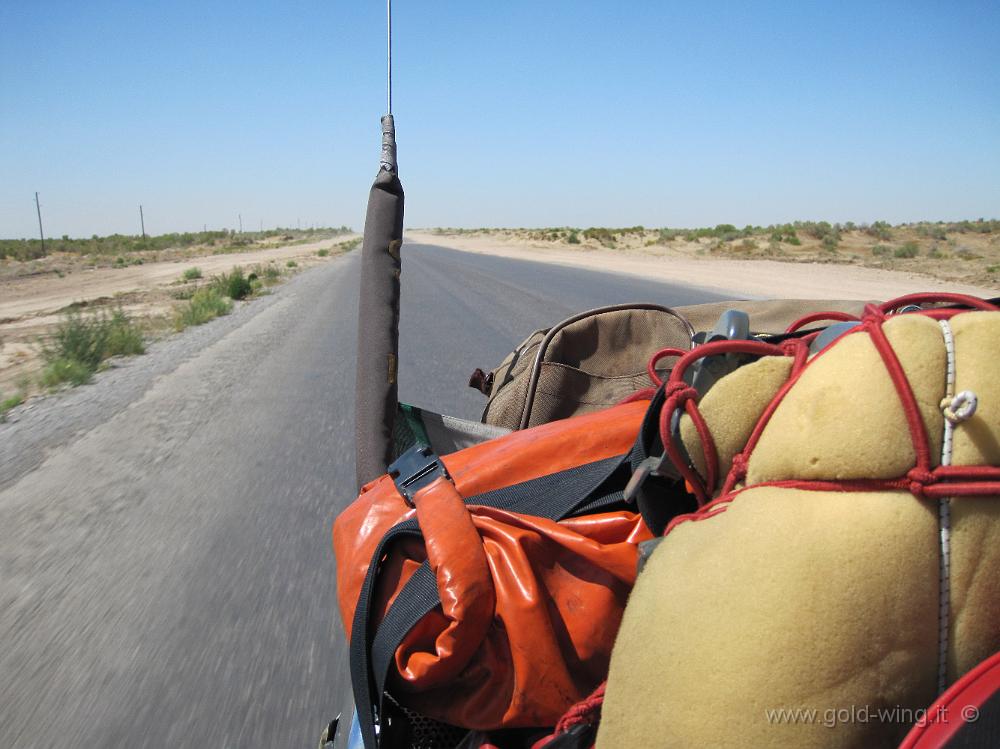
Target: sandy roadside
(761,279)
(31,305)
(32,296)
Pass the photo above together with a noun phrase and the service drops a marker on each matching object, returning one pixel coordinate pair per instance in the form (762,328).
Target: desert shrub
(323,253)
(600,234)
(8,403)
(573,238)
(234,284)
(291,264)
(59,371)
(881,249)
(933,231)
(267,274)
(907,250)
(967,254)
(80,343)
(879,230)
(206,304)
(91,340)
(191,274)
(831,242)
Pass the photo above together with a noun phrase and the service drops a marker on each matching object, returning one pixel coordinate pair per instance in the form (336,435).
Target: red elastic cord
(937,298)
(654,360)
(918,432)
(680,395)
(586,711)
(816,317)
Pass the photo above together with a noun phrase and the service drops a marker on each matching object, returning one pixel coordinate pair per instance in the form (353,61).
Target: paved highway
(166,576)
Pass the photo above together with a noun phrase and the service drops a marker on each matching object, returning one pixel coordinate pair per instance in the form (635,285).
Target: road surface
(166,576)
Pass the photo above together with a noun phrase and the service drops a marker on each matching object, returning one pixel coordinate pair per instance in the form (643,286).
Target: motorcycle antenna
(376,389)
(388,56)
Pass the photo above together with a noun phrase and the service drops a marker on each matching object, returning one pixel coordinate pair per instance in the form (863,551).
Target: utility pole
(41,233)
(241,222)
(142,221)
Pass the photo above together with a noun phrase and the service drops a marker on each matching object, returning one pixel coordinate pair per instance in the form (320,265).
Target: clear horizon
(562,114)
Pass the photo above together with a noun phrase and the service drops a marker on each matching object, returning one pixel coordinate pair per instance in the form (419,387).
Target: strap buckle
(651,466)
(415,469)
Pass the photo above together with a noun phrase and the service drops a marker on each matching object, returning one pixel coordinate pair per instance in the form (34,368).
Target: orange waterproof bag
(484,589)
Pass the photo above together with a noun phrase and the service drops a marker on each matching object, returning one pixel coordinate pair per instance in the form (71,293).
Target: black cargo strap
(555,497)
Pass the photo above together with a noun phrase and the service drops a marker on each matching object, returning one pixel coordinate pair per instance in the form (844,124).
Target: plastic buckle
(648,467)
(415,469)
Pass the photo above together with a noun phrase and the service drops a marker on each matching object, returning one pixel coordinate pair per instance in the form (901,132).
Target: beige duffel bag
(845,566)
(594,359)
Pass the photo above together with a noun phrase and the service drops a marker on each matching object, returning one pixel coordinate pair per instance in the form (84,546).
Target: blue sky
(509,113)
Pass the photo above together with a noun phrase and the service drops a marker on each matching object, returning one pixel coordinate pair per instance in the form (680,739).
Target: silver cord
(388,25)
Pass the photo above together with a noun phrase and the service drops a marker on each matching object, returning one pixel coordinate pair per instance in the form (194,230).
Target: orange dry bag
(484,589)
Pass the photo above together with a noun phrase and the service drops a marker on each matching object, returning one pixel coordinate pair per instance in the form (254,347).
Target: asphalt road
(166,576)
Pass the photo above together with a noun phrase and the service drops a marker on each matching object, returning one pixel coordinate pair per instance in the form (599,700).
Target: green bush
(8,403)
(206,304)
(192,274)
(234,284)
(879,230)
(268,274)
(292,264)
(831,242)
(323,253)
(573,238)
(91,340)
(58,371)
(881,249)
(907,250)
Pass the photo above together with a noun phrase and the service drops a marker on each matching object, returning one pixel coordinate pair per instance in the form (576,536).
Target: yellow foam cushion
(731,409)
(843,419)
(975,582)
(821,601)
(977,351)
(787,600)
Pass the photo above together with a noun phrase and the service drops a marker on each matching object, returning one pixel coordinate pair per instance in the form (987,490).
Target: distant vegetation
(122,246)
(924,247)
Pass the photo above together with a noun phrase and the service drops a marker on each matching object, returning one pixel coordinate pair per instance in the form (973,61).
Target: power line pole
(142,221)
(241,222)
(41,233)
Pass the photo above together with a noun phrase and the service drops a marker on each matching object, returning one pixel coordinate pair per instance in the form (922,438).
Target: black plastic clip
(415,469)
